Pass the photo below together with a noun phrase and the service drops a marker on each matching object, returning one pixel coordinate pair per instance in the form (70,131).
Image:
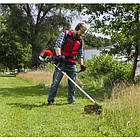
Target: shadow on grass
(31,106)
(24,91)
(40,90)
(26,106)
(37,90)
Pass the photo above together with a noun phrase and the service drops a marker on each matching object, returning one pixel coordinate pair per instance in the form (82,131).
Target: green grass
(23,113)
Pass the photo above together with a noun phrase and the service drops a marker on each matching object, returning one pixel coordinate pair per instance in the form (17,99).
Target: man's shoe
(50,102)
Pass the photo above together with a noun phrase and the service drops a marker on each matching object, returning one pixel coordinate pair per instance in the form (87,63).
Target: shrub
(2,68)
(105,65)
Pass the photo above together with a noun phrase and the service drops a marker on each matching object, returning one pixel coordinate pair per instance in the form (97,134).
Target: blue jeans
(70,70)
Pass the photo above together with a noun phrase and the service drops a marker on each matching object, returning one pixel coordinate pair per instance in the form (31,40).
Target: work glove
(60,58)
(83,68)
(59,61)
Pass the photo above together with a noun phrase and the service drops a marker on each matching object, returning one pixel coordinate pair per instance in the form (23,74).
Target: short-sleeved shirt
(60,41)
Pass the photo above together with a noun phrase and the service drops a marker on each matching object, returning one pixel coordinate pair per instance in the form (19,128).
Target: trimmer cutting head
(95,108)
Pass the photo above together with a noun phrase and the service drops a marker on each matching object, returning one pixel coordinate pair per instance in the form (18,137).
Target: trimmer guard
(95,108)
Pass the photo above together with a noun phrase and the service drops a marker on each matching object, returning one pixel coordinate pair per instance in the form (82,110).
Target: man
(68,48)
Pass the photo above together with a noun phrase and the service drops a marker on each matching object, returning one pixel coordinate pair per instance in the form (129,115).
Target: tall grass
(123,109)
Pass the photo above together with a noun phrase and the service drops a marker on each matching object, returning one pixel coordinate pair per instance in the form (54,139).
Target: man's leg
(57,76)
(71,86)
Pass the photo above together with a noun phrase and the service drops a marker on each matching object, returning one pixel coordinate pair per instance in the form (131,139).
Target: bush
(105,65)
(2,68)
(49,67)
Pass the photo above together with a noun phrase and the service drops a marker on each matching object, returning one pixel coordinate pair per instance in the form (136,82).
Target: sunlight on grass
(24,113)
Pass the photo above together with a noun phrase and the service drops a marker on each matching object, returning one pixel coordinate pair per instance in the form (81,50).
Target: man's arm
(58,51)
(59,43)
(81,58)
(80,54)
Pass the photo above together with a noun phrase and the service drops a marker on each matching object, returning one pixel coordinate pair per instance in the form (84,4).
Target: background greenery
(27,29)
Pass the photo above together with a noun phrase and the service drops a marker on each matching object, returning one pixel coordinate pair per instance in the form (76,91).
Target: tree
(14,54)
(121,22)
(32,21)
(93,41)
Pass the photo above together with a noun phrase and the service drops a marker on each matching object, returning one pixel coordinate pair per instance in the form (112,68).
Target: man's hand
(60,58)
(59,61)
(83,68)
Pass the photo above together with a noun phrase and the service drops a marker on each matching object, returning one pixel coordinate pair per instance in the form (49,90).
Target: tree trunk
(35,47)
(34,59)
(136,45)
(134,67)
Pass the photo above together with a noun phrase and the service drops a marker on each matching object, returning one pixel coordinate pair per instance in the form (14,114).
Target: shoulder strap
(66,36)
(66,33)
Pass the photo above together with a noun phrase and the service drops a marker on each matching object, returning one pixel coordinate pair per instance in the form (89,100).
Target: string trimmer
(47,56)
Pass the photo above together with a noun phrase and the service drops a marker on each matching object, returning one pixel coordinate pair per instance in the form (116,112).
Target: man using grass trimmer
(68,48)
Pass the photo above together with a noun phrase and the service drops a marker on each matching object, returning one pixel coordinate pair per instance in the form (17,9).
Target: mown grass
(24,113)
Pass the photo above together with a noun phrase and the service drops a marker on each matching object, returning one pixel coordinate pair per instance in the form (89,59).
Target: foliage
(15,54)
(121,22)
(93,41)
(106,65)
(32,22)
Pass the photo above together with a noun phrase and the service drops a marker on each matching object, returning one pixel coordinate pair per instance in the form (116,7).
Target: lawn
(24,113)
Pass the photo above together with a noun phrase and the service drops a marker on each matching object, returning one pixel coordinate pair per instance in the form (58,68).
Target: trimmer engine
(46,55)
